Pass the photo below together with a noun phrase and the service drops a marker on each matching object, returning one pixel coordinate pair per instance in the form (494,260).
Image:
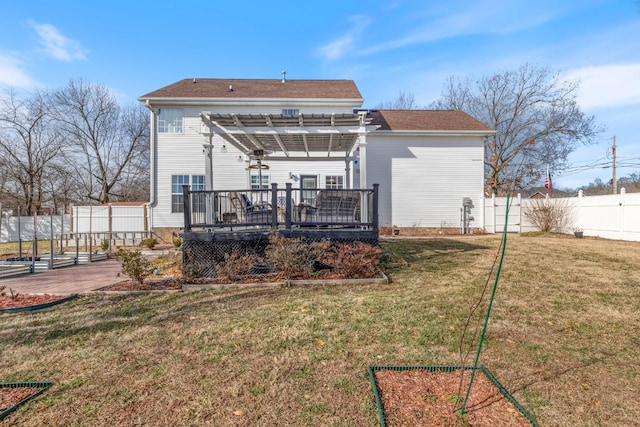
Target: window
(198,202)
(255,179)
(197,182)
(170,120)
(334,182)
(177,199)
(290,111)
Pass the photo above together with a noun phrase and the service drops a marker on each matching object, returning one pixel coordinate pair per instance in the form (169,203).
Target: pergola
(300,137)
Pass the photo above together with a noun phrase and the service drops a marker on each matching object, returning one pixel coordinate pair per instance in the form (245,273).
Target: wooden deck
(310,213)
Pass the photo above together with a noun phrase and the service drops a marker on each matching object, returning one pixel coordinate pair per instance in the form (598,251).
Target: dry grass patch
(563,340)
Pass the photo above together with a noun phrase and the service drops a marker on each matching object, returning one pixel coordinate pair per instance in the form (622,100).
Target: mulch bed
(10,396)
(20,300)
(172,283)
(422,397)
(146,285)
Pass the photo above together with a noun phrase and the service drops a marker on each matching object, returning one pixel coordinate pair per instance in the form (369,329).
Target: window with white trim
(170,120)
(177,199)
(290,111)
(255,179)
(198,204)
(334,182)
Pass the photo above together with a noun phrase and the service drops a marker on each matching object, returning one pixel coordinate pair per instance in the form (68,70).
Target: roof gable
(252,89)
(426,120)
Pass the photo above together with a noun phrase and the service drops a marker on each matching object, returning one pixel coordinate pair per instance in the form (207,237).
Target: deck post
(288,207)
(274,205)
(375,207)
(186,208)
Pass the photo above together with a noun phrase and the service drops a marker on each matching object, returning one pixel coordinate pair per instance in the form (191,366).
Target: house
(239,134)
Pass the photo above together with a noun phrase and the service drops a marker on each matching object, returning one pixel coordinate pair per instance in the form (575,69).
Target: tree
(29,142)
(536,117)
(404,101)
(109,139)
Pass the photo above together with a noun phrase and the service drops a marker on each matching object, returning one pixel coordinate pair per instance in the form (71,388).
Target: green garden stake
(486,319)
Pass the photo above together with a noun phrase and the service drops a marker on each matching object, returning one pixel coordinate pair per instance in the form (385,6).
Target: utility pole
(613,153)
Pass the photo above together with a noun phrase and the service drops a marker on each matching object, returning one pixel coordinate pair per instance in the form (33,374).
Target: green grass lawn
(564,340)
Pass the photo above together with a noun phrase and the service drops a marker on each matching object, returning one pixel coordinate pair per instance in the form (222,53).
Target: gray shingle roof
(444,120)
(245,88)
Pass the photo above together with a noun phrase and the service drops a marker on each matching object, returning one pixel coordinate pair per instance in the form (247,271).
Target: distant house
(232,134)
(541,193)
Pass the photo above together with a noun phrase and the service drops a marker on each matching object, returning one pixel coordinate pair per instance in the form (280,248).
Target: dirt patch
(20,300)
(421,397)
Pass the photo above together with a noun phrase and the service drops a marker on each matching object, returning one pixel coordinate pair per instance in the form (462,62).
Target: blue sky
(386,47)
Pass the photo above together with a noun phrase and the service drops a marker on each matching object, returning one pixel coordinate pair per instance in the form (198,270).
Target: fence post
(50,241)
(493,213)
(519,213)
(580,210)
(186,208)
(110,225)
(623,192)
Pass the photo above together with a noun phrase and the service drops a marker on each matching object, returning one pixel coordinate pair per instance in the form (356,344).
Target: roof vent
(284,76)
(230,88)
(194,80)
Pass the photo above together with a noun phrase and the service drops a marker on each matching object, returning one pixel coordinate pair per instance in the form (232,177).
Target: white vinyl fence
(15,228)
(615,216)
(117,223)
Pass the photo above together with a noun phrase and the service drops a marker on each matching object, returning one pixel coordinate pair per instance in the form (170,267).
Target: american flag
(547,182)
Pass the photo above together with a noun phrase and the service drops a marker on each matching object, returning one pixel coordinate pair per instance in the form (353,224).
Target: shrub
(294,258)
(236,265)
(134,264)
(149,243)
(177,242)
(104,245)
(549,215)
(355,260)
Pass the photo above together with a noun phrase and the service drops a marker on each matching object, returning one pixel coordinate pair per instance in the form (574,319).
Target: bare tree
(108,138)
(404,101)
(536,117)
(29,142)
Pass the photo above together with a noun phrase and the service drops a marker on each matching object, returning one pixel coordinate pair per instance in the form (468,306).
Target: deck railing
(286,208)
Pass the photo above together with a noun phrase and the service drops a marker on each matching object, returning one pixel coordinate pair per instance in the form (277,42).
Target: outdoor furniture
(247,212)
(332,206)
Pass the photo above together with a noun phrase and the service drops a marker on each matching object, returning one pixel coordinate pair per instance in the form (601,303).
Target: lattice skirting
(202,251)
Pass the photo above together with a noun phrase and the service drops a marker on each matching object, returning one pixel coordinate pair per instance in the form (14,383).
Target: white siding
(423,179)
(182,154)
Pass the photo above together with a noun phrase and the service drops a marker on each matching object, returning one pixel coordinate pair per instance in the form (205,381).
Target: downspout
(153,179)
(153,187)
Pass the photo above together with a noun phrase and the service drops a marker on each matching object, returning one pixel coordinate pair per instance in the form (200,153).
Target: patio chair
(333,206)
(248,212)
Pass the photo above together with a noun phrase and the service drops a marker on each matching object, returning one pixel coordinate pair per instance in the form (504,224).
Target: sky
(386,47)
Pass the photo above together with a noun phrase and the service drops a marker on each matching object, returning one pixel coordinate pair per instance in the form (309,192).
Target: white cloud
(607,86)
(342,45)
(57,45)
(441,22)
(12,74)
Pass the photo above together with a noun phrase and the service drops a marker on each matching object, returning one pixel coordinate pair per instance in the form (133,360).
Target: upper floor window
(170,120)
(334,182)
(290,111)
